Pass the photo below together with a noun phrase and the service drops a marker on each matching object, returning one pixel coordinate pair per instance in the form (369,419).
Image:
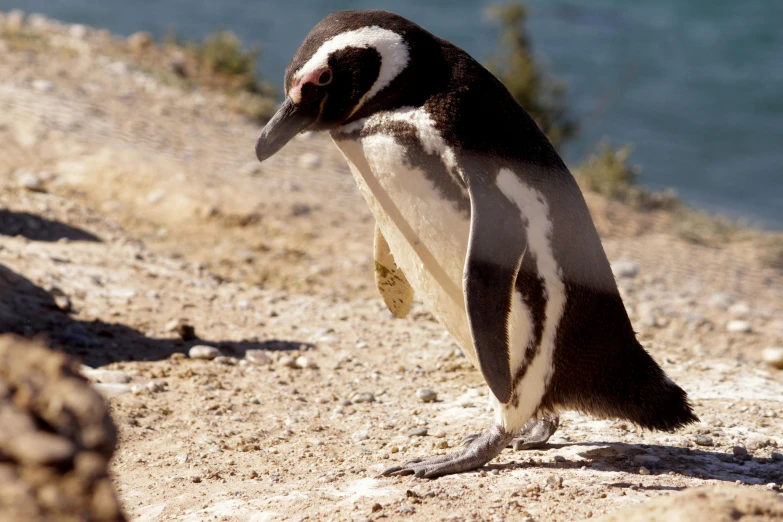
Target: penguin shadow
(28,310)
(659,460)
(37,228)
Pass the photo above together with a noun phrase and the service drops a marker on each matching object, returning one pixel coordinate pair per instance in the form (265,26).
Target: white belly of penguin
(427,235)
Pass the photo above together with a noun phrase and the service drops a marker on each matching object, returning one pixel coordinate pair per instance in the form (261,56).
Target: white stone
(109,390)
(309,160)
(625,268)
(98,375)
(258,357)
(287,362)
(156,196)
(42,85)
(738,326)
(361,435)
(203,352)
(773,356)
(27,180)
(304,362)
(123,293)
(426,395)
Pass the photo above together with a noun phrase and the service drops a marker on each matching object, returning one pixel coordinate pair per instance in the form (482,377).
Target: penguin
(478,216)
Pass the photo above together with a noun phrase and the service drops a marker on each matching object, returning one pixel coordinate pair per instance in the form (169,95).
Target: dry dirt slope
(146,211)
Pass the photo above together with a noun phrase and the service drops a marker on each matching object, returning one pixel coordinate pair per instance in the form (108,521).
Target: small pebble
(418,431)
(155,386)
(739,451)
(42,85)
(363,397)
(773,356)
(426,395)
(287,361)
(559,458)
(105,376)
(738,326)
(28,180)
(201,351)
(258,357)
(644,471)
(702,440)
(195,479)
(63,303)
(407,510)
(554,481)
(109,390)
(304,362)
(625,268)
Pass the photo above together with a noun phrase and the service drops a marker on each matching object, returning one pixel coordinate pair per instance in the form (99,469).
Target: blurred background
(693,86)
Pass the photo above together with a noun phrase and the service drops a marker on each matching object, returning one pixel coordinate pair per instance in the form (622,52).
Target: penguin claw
(396,471)
(533,435)
(469,439)
(482,449)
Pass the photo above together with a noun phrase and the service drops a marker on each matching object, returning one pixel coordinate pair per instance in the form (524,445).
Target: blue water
(696,86)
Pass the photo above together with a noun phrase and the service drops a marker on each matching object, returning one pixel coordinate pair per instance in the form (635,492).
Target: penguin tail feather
(627,384)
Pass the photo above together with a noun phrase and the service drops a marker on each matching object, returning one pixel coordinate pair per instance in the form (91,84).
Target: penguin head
(351,65)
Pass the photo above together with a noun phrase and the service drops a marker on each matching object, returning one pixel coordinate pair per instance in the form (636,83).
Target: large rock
(725,503)
(56,439)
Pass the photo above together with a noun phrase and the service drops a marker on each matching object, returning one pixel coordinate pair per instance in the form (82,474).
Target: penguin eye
(325,78)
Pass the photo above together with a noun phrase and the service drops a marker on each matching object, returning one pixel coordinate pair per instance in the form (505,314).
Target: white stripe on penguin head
(390,45)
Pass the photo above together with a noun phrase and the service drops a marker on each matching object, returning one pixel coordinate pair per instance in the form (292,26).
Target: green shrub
(514,65)
(609,173)
(222,54)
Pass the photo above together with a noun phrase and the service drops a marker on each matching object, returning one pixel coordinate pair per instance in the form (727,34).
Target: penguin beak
(289,120)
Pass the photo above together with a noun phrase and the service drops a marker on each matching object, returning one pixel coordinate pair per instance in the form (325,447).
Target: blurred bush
(608,172)
(514,64)
(221,62)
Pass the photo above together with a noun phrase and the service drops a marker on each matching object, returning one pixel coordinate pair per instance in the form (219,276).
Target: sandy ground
(131,211)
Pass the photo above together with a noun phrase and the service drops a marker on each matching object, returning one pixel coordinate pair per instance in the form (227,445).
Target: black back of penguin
(599,366)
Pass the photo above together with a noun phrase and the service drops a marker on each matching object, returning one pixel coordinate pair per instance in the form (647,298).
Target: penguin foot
(533,435)
(481,450)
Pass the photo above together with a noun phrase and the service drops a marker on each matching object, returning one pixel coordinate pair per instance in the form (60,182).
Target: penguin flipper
(394,287)
(497,244)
